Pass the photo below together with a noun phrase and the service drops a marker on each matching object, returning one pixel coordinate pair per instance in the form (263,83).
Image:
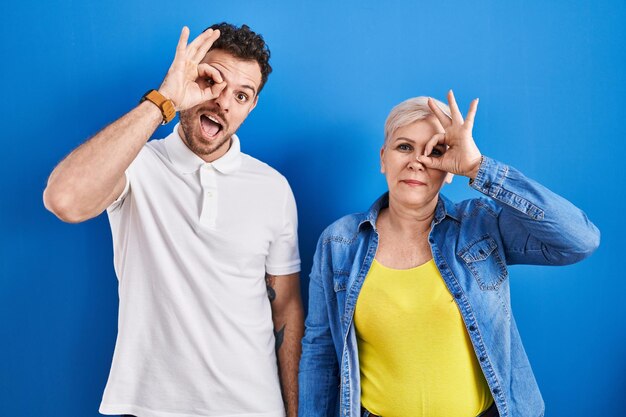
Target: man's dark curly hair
(244,44)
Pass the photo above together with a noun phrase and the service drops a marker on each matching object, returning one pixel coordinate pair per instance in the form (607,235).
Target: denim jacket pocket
(483,260)
(340,280)
(340,283)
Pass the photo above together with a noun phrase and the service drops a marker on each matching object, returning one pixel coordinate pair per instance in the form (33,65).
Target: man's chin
(217,145)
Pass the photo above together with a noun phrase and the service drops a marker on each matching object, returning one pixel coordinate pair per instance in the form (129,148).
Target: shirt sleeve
(537,226)
(119,200)
(284,256)
(130,174)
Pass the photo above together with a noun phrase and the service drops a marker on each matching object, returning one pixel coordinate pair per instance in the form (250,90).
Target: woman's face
(409,182)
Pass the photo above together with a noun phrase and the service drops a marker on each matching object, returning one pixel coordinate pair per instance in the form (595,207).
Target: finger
(207,71)
(182,41)
(454,108)
(430,162)
(195,44)
(213,91)
(443,118)
(217,89)
(205,46)
(471,113)
(437,139)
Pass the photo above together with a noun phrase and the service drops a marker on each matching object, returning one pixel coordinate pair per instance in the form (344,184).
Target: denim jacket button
(472,328)
(496,391)
(482,358)
(457,295)
(442,267)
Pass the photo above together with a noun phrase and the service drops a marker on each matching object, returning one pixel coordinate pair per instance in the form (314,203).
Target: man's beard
(192,129)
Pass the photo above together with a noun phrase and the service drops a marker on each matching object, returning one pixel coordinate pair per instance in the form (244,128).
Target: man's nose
(223,101)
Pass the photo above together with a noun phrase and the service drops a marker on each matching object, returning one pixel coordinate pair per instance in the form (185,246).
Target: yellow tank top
(415,355)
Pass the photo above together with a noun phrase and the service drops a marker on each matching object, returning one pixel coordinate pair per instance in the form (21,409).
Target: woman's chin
(415,199)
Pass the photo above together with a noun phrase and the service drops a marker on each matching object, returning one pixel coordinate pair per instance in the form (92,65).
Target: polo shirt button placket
(208,181)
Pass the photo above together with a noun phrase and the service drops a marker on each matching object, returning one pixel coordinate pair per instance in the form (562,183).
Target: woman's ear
(382,162)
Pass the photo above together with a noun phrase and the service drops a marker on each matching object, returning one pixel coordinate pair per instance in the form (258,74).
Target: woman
(409,309)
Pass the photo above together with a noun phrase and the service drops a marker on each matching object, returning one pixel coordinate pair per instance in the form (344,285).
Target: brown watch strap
(163,103)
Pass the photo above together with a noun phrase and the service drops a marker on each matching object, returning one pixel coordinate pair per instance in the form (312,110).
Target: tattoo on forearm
(279,336)
(269,284)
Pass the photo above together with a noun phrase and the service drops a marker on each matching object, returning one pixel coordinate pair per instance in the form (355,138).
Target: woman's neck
(403,235)
(403,220)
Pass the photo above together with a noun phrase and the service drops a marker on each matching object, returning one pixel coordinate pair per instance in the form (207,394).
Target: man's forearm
(86,181)
(288,351)
(288,319)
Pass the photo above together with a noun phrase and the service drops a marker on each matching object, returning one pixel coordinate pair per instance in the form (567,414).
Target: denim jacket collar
(444,208)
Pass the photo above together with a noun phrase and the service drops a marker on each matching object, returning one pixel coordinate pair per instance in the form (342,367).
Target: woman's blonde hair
(410,111)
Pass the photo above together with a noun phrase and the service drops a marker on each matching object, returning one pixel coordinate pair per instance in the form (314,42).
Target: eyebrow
(249,87)
(403,138)
(244,86)
(438,145)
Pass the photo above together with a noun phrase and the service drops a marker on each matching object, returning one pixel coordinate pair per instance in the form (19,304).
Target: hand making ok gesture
(462,156)
(181,81)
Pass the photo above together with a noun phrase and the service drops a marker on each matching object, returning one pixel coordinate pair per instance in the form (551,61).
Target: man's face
(208,127)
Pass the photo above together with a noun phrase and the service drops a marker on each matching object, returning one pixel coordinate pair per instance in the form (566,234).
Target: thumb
(214,91)
(216,81)
(207,71)
(430,162)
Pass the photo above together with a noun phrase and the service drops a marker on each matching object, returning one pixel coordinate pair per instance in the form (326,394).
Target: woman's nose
(414,164)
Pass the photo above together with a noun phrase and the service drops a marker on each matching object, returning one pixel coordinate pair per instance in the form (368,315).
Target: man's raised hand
(186,81)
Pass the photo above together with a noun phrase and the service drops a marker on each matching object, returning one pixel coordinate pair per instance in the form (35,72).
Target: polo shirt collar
(187,162)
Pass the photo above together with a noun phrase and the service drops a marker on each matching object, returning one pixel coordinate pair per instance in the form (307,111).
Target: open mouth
(210,126)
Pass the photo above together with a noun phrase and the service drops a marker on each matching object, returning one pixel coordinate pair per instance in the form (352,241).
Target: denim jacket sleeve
(318,377)
(537,226)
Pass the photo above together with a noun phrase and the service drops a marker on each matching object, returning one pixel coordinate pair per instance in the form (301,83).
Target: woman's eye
(436,152)
(210,81)
(405,147)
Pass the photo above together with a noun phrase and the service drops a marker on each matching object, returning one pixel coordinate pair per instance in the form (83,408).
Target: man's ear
(382,162)
(256,99)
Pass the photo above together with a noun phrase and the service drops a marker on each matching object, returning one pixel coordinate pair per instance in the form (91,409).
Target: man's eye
(242,97)
(405,147)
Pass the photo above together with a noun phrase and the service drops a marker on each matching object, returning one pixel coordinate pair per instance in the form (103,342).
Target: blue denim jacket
(472,243)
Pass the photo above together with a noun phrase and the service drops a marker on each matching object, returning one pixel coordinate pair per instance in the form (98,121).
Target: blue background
(550,76)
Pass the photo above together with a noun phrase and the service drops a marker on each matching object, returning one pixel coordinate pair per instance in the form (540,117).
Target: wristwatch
(163,103)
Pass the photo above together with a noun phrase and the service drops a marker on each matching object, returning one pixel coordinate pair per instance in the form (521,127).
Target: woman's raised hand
(462,156)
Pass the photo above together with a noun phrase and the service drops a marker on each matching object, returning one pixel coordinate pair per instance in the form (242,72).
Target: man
(196,225)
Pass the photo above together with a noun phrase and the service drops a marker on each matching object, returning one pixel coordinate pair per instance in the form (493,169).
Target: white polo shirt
(192,243)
